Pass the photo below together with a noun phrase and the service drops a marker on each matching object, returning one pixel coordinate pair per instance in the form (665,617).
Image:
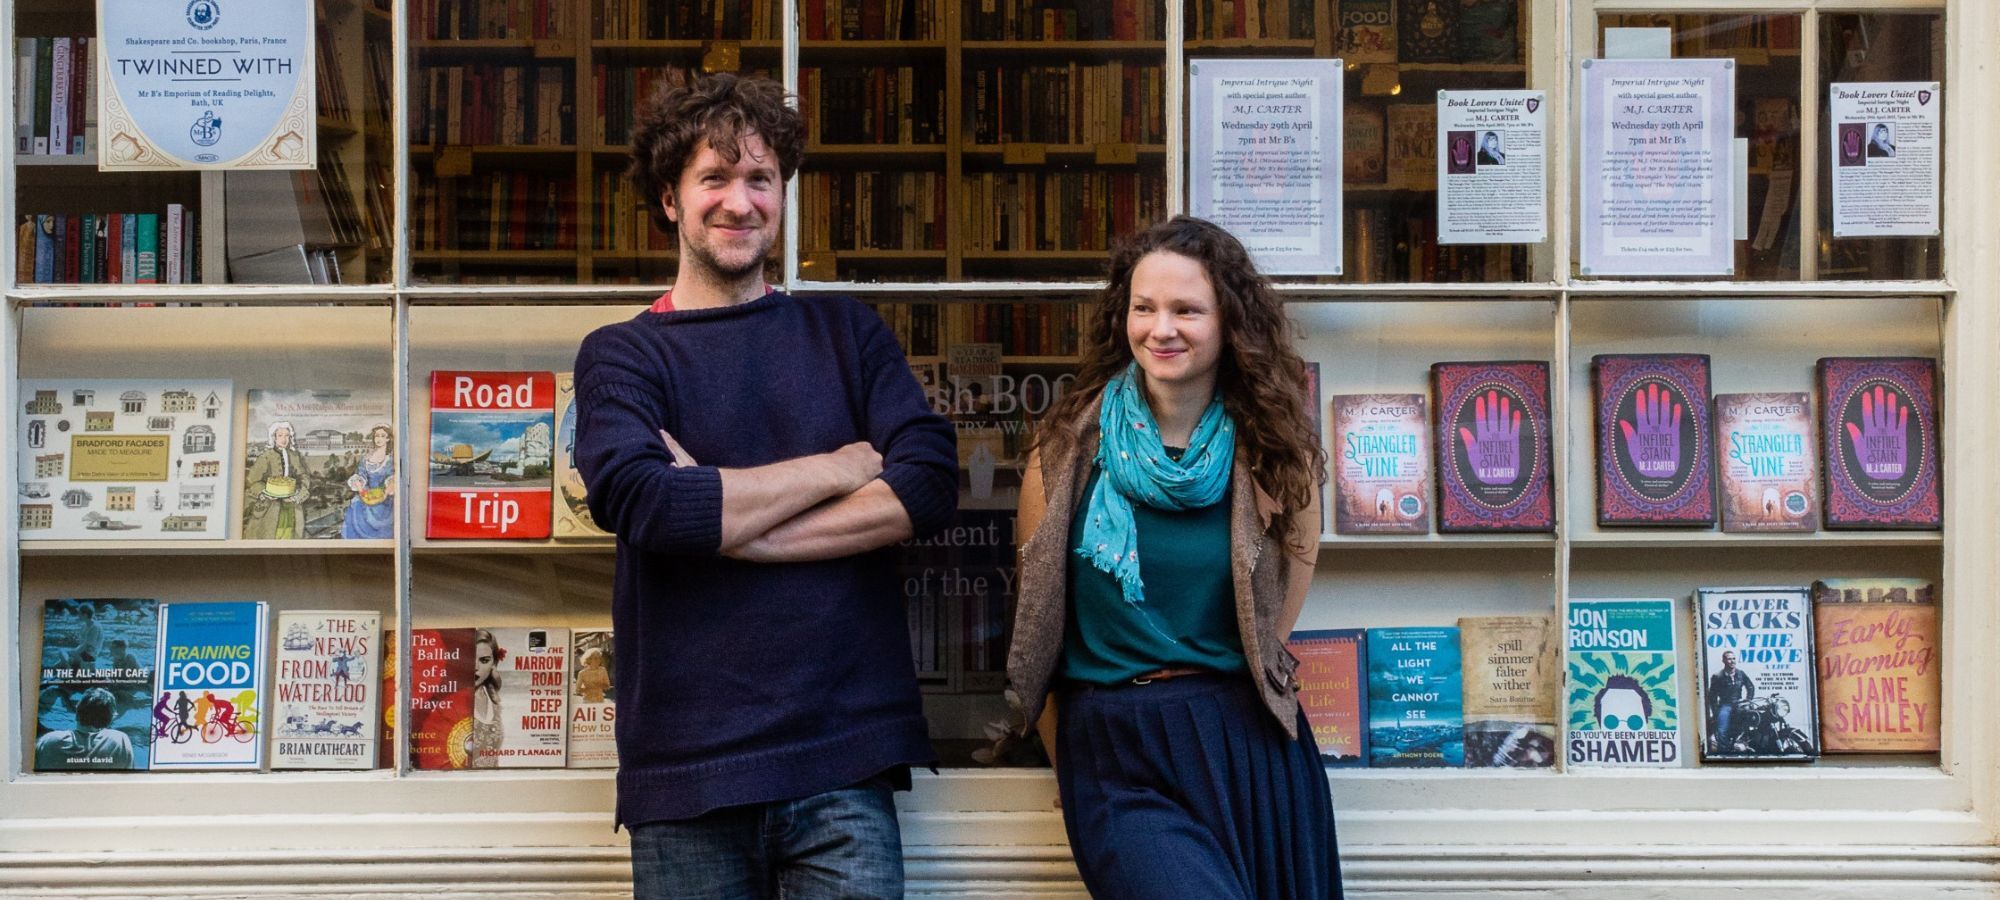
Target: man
(1726,689)
(753,451)
(1879,146)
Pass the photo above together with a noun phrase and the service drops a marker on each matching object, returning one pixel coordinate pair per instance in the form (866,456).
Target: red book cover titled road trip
(492,437)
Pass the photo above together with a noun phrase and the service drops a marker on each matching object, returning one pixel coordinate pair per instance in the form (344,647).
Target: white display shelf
(208,548)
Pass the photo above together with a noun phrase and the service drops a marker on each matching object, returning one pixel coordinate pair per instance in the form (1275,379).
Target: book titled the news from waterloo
(593,701)
(1654,451)
(1493,461)
(441,676)
(1415,717)
(209,687)
(1333,678)
(1879,434)
(572,513)
(1381,464)
(96,684)
(1510,677)
(1622,699)
(1878,655)
(325,690)
(319,464)
(124,459)
(1767,464)
(1757,688)
(528,695)
(491,452)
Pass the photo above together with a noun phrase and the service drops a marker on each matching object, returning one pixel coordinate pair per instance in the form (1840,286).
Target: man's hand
(855,465)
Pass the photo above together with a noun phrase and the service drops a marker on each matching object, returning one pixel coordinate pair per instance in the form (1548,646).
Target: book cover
(572,513)
(441,673)
(1363,144)
(385,741)
(1878,658)
(209,687)
(1382,466)
(1510,675)
(490,454)
(1767,465)
(520,698)
(1756,683)
(1493,460)
(1414,695)
(1879,437)
(1427,31)
(1623,699)
(593,701)
(124,459)
(1332,675)
(1412,139)
(1653,440)
(1367,31)
(96,684)
(319,464)
(325,689)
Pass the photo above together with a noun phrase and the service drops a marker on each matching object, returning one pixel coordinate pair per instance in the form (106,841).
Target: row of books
(1236,19)
(622,220)
(846,210)
(1074,103)
(1065,20)
(491,20)
(484,103)
(511,209)
(1663,442)
(134,684)
(1390,144)
(872,20)
(1391,242)
(1781,674)
(109,248)
(1064,210)
(1429,31)
(55,96)
(873,104)
(687,20)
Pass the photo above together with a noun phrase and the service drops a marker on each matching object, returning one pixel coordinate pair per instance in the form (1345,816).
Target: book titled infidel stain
(1332,676)
(1622,697)
(1492,431)
(1654,440)
(491,452)
(1879,428)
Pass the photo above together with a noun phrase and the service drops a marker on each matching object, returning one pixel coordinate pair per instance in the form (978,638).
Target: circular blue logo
(1795,503)
(203,14)
(1410,506)
(206,130)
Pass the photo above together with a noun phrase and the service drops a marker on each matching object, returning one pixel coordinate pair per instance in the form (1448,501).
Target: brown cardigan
(1260,576)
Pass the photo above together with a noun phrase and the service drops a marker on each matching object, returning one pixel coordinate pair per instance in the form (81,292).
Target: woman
(275,486)
(482,743)
(371,513)
(1172,509)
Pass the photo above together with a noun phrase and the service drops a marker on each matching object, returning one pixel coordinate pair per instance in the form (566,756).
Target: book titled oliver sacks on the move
(1414,697)
(1756,682)
(1653,440)
(1333,685)
(1879,428)
(1492,434)
(1622,697)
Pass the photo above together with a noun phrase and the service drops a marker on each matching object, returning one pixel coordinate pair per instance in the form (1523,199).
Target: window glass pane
(1875,47)
(1397,54)
(329,224)
(1766,51)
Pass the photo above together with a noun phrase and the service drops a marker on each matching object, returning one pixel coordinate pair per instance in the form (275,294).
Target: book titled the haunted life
(491,454)
(1879,438)
(1878,658)
(209,686)
(1381,464)
(96,688)
(1757,688)
(1332,676)
(1654,440)
(1492,432)
(1767,463)
(1415,717)
(1623,705)
(1510,676)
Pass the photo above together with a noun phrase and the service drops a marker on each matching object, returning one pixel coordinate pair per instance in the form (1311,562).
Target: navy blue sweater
(744,682)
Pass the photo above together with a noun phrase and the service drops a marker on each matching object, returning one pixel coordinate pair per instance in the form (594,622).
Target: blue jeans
(842,844)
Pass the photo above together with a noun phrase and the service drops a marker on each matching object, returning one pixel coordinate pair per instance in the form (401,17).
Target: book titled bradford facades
(1654,453)
(1624,699)
(1492,433)
(1879,428)
(1756,683)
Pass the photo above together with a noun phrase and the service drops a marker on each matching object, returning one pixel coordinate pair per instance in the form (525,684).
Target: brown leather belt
(1164,674)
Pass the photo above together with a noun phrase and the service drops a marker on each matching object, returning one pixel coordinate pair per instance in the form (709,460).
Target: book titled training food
(1879,433)
(96,684)
(441,673)
(325,689)
(572,512)
(1332,676)
(1756,681)
(593,701)
(209,688)
(1414,712)
(1878,658)
(528,694)
(1653,440)
(1381,464)
(1623,701)
(491,451)
(1492,433)
(123,459)
(1767,464)
(1510,691)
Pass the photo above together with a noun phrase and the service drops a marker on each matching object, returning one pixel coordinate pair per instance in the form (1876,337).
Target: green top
(1189,617)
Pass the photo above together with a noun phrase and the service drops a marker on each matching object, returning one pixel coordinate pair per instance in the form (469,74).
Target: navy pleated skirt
(1186,788)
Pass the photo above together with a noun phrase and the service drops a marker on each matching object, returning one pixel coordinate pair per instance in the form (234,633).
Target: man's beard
(706,258)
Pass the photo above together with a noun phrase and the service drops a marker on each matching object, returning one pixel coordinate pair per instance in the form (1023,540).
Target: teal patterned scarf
(1136,468)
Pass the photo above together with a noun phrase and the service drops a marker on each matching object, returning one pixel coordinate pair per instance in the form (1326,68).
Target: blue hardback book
(1415,698)
(209,696)
(93,709)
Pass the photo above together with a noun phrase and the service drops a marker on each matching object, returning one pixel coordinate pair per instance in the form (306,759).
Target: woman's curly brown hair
(1260,376)
(718,110)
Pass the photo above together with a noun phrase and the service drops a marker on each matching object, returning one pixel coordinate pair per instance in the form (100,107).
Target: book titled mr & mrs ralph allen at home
(491,454)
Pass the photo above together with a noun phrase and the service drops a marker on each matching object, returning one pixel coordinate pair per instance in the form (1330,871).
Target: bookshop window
(1766,50)
(1868,47)
(1397,55)
(509,184)
(327,225)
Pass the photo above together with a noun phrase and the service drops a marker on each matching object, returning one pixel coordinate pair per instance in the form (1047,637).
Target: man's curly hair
(717,109)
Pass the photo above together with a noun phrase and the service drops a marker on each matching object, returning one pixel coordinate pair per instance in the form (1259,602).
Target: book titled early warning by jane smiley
(1654,443)
(1381,464)
(1879,428)
(1622,696)
(1492,432)
(1878,653)
(491,454)
(325,690)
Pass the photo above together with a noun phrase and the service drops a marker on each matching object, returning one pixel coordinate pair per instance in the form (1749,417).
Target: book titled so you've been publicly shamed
(1621,697)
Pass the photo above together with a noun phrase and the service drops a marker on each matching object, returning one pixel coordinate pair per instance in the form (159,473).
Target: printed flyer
(1492,167)
(1885,158)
